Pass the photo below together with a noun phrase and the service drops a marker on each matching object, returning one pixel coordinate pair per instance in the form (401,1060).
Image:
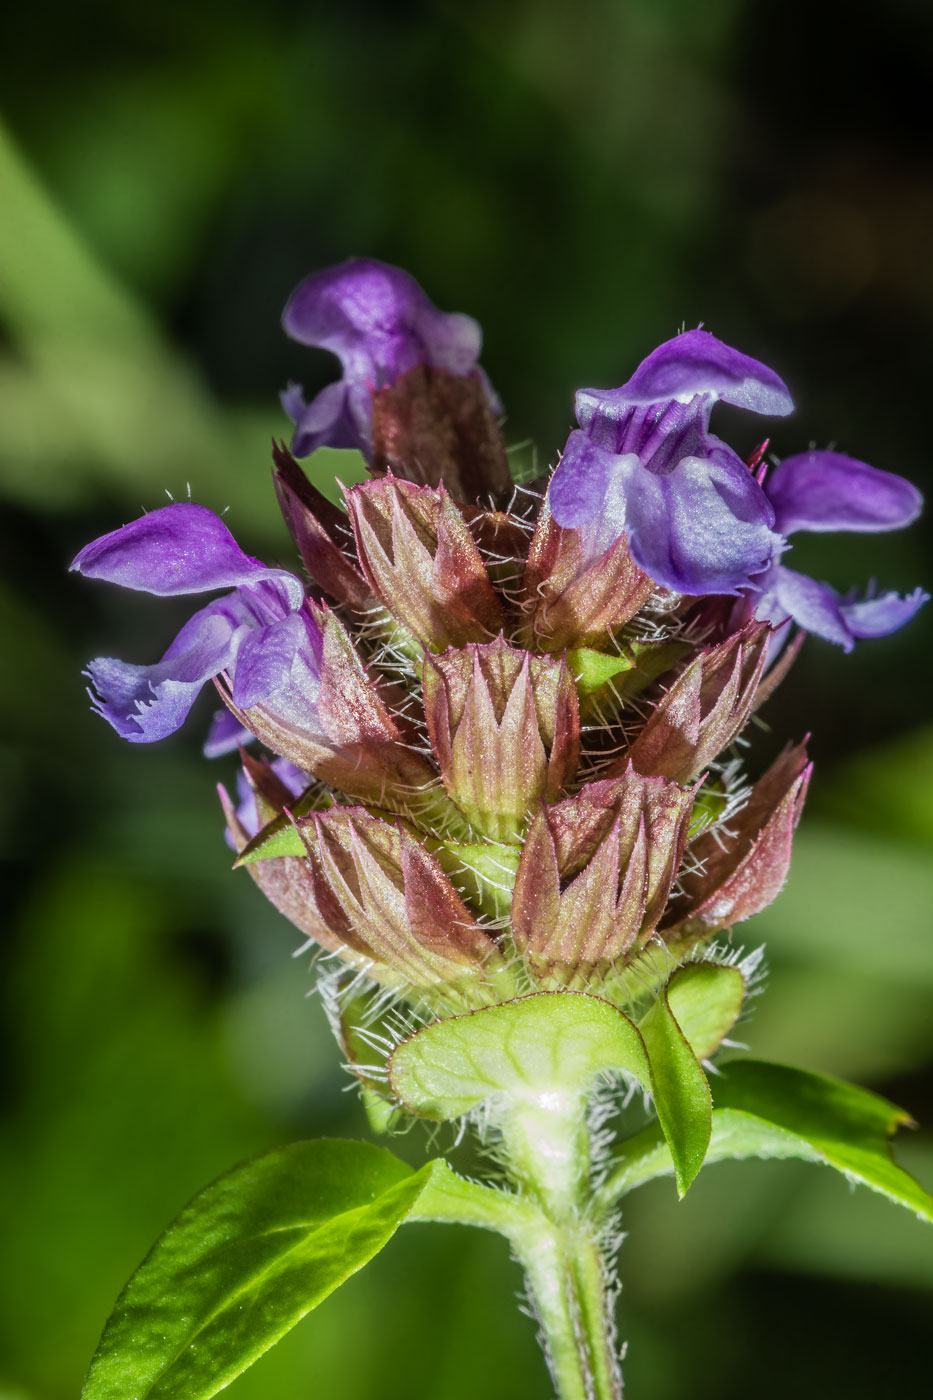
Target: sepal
(381,894)
(505,729)
(431,426)
(595,874)
(286,883)
(738,871)
(571,600)
(420,559)
(316,525)
(357,746)
(705,708)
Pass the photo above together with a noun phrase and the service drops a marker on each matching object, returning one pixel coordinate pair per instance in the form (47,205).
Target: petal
(813,606)
(379,322)
(694,363)
(225,734)
(332,419)
(876,617)
(266,658)
(703,528)
(828,491)
(181,548)
(145,703)
(581,482)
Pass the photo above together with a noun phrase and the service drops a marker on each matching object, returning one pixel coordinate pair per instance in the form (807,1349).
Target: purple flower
(379,323)
(822,491)
(644,462)
(261,634)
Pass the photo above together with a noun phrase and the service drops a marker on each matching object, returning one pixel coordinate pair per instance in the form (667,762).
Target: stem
(547,1148)
(566,1276)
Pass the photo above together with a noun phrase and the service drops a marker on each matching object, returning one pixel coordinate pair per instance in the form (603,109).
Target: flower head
(261,635)
(823,491)
(644,463)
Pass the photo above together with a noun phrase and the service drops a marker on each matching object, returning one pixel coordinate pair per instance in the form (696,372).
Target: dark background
(583,178)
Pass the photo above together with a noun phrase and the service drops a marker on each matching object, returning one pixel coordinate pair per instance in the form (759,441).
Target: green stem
(547,1147)
(567,1278)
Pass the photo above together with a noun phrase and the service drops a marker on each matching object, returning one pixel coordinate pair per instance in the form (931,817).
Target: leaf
(557,1042)
(706,999)
(764,1110)
(847,1127)
(247,1259)
(280,836)
(681,1093)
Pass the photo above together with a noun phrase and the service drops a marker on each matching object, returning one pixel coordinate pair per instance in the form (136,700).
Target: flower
(380,324)
(260,634)
(822,491)
(644,463)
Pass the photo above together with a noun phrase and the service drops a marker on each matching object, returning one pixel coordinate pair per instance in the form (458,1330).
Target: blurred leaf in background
(583,180)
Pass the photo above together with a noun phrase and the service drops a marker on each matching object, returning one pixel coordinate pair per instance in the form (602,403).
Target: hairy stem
(567,1280)
(547,1149)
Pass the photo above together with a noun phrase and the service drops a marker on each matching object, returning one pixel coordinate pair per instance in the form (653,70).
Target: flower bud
(595,875)
(739,871)
(431,426)
(505,728)
(420,558)
(704,709)
(382,896)
(575,601)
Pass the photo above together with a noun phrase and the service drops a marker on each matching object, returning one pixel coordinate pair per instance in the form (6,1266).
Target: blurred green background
(582,178)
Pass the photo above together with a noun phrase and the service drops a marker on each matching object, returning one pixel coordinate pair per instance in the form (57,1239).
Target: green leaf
(847,1127)
(550,1041)
(245,1261)
(557,1042)
(628,672)
(764,1110)
(706,999)
(593,669)
(280,836)
(681,1093)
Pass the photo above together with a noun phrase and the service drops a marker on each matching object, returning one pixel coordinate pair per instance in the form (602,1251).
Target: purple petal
(579,485)
(704,528)
(379,322)
(336,417)
(813,606)
(181,548)
(828,491)
(876,617)
(266,658)
(693,364)
(225,734)
(145,703)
